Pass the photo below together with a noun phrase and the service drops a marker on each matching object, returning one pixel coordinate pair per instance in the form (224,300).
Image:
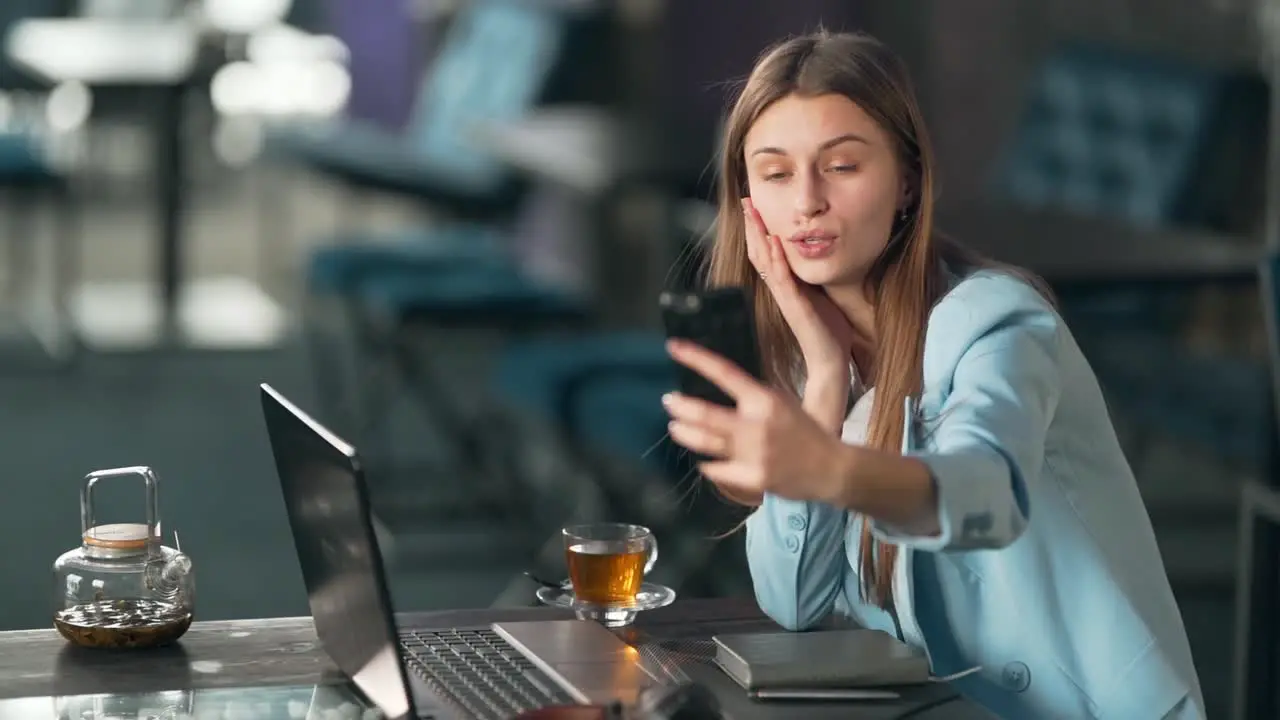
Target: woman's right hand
(821,329)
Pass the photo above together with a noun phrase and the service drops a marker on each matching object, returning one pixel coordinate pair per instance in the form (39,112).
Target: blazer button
(1016,676)
(793,543)
(797,522)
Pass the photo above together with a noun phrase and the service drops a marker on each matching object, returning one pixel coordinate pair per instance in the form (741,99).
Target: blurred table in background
(160,59)
(143,53)
(1076,250)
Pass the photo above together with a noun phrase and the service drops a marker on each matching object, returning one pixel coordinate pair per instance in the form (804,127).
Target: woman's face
(825,179)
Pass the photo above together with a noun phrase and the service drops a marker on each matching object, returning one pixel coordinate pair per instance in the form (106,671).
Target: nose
(811,196)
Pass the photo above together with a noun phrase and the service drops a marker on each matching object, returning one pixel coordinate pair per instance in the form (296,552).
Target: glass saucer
(650,597)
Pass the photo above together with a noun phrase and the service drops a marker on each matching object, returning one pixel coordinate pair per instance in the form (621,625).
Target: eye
(844,168)
(775,176)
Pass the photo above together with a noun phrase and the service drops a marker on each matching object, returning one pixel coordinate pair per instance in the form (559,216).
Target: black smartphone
(720,320)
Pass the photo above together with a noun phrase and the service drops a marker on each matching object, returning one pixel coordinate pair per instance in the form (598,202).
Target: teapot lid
(119,538)
(116,540)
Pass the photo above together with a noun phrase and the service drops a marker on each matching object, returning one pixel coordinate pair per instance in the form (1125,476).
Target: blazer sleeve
(795,551)
(986,444)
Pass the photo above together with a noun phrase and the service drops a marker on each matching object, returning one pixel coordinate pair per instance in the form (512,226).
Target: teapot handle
(152,504)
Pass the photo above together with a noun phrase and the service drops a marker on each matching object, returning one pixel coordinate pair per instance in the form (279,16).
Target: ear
(905,195)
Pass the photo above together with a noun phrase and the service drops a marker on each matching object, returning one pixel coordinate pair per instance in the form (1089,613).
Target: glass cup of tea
(608,561)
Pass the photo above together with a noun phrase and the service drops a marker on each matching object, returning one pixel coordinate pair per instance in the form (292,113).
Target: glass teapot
(122,588)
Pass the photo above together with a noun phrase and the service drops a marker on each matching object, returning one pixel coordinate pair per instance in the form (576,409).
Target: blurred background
(442,225)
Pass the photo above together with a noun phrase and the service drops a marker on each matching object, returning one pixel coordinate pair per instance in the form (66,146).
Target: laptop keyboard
(480,671)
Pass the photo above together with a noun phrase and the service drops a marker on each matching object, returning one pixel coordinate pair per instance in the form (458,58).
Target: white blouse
(854,432)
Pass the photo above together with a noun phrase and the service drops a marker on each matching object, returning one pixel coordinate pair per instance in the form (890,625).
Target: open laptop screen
(328,508)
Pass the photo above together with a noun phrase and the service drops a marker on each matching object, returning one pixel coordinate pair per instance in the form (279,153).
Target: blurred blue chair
(1153,142)
(499,58)
(1114,133)
(459,276)
(603,389)
(598,391)
(603,392)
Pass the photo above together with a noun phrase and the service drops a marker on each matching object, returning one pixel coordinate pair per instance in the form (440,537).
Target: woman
(930,452)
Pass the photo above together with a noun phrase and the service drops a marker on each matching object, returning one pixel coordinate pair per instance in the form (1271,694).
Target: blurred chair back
(497,60)
(1148,140)
(387,47)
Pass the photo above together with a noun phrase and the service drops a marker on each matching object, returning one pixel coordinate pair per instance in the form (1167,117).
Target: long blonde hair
(904,282)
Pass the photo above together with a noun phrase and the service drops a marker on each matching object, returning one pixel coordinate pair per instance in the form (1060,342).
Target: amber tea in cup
(608,561)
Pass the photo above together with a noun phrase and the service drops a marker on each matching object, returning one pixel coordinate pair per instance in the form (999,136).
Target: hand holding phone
(771,442)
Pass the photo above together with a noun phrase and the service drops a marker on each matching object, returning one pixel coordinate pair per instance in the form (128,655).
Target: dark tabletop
(284,652)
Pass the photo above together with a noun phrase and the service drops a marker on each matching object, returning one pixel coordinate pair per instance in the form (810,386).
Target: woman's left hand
(767,444)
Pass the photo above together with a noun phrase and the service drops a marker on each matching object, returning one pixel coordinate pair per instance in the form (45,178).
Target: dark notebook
(821,659)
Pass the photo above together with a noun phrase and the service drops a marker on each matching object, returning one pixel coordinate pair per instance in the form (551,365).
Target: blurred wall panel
(976,69)
(708,46)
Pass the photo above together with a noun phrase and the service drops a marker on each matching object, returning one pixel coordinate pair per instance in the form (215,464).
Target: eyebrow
(827,145)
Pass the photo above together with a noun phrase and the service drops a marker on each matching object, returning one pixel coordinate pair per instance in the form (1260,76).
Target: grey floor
(194,417)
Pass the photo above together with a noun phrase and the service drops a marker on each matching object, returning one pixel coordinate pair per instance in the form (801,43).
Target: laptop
(489,672)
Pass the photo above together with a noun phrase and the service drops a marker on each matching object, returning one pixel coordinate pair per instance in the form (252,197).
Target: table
(294,702)
(160,58)
(225,655)
(1078,250)
(98,51)
(157,56)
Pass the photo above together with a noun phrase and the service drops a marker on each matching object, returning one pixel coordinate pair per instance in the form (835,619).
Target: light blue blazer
(1046,573)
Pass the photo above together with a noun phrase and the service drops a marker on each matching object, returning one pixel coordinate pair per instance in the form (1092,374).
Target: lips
(813,244)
